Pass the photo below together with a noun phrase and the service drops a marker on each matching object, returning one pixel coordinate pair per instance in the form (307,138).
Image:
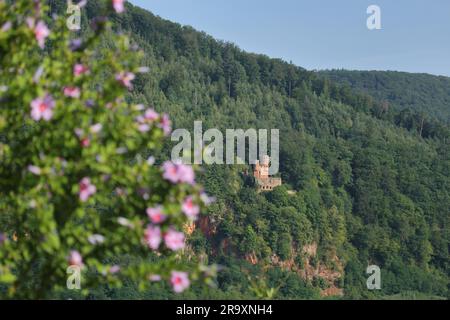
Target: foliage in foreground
(78,183)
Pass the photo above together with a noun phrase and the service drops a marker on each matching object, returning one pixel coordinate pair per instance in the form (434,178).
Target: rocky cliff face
(311,269)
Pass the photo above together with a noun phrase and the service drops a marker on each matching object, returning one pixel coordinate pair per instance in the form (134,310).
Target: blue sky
(325,34)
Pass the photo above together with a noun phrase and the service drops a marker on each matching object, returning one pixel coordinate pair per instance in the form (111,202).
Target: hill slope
(367,190)
(419,92)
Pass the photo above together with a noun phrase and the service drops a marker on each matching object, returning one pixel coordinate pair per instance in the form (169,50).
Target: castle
(261,173)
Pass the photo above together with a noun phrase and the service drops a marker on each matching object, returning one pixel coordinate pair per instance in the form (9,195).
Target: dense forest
(365,160)
(417,92)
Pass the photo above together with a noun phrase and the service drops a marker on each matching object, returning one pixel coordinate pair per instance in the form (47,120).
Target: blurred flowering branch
(70,94)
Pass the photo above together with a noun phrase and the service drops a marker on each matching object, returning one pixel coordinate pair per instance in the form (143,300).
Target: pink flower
(114,269)
(6,26)
(125,78)
(145,121)
(41,32)
(118,5)
(85,142)
(165,124)
(75,259)
(176,172)
(72,92)
(171,172)
(79,69)
(180,281)
(42,108)
(190,209)
(151,115)
(96,128)
(186,174)
(30,22)
(34,170)
(86,189)
(153,237)
(156,215)
(174,240)
(143,127)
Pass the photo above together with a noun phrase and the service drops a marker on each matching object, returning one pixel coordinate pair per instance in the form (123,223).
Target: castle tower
(261,174)
(264,171)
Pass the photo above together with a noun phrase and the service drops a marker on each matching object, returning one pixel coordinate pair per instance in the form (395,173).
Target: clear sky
(325,34)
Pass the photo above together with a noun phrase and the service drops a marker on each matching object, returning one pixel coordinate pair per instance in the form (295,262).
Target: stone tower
(261,173)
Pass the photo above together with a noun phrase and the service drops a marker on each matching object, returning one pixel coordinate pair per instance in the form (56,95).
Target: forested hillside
(418,92)
(367,187)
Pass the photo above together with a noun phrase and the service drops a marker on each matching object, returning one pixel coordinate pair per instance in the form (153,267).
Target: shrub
(74,187)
